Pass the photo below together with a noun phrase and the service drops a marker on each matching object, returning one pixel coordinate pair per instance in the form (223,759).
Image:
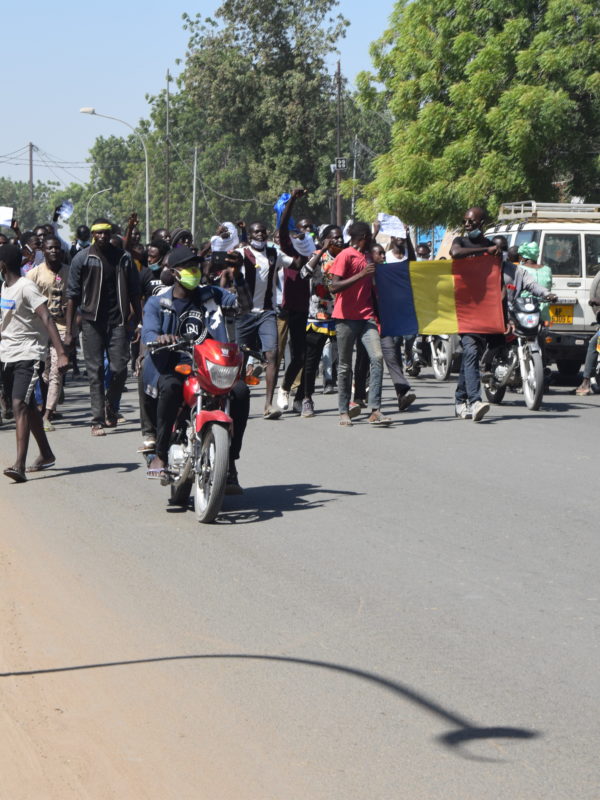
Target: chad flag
(431,297)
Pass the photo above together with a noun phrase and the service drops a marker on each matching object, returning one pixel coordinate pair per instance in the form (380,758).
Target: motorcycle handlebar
(259,356)
(155,346)
(179,343)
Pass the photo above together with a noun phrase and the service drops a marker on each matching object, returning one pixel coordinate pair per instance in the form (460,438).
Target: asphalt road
(401,613)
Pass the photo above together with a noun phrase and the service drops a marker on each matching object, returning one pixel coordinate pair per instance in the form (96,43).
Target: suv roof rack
(529,209)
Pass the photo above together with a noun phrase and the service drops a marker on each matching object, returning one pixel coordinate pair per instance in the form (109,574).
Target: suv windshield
(524,237)
(561,253)
(592,254)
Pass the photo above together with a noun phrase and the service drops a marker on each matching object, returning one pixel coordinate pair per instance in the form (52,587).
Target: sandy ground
(106,732)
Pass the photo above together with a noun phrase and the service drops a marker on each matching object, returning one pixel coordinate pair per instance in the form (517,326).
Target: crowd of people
(295,288)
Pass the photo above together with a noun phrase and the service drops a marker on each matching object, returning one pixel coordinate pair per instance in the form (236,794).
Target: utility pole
(338,153)
(31,171)
(167,157)
(194,193)
(354,175)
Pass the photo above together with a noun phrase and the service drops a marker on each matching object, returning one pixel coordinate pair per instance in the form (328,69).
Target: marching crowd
(303,289)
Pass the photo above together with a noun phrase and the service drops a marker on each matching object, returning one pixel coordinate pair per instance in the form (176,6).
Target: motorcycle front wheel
(211,475)
(442,354)
(533,382)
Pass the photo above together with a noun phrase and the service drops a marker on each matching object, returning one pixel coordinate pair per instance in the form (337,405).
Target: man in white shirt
(26,326)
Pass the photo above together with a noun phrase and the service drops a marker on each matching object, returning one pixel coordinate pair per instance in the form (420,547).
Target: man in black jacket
(104,285)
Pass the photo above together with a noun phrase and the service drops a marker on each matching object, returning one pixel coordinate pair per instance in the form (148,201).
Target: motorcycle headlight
(527,320)
(222,377)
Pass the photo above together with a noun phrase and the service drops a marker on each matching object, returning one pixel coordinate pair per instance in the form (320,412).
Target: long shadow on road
(465,730)
(260,503)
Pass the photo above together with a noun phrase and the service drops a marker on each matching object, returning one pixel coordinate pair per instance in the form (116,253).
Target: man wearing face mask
(150,282)
(468,389)
(163,315)
(104,284)
(83,240)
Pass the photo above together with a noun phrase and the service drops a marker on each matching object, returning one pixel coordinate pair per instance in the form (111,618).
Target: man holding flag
(468,401)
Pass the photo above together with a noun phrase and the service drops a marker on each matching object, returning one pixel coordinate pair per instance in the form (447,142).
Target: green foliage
(15,194)
(495,100)
(256,99)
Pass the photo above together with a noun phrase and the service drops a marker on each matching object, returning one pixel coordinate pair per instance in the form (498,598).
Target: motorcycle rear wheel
(442,354)
(182,486)
(533,382)
(211,477)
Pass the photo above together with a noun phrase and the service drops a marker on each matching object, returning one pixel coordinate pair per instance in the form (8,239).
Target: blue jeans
(591,358)
(468,388)
(347,332)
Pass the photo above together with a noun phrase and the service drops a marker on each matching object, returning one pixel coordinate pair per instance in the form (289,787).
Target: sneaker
(360,401)
(462,411)
(283,399)
(479,410)
(308,409)
(354,410)
(329,388)
(405,400)
(232,487)
(297,406)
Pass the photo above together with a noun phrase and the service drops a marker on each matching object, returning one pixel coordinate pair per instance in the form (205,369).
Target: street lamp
(87,208)
(88,110)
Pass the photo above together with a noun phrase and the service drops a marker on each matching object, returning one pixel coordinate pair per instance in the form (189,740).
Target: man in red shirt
(352,285)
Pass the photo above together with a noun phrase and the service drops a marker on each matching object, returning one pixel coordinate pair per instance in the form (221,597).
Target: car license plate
(561,315)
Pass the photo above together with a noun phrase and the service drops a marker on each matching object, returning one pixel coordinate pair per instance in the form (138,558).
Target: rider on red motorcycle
(185,308)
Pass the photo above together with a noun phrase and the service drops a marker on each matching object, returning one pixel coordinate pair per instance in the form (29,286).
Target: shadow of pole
(466,730)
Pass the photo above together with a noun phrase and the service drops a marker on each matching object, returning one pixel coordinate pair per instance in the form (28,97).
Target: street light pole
(87,208)
(88,110)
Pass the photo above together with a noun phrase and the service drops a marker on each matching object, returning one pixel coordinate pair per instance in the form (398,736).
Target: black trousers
(361,371)
(391,347)
(147,410)
(97,338)
(296,321)
(170,395)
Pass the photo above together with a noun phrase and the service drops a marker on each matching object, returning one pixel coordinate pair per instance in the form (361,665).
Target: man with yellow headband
(104,286)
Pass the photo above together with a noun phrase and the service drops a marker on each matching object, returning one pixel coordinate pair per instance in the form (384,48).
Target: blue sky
(65,56)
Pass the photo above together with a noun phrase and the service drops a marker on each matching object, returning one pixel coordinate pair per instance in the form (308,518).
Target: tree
(494,100)
(28,213)
(258,80)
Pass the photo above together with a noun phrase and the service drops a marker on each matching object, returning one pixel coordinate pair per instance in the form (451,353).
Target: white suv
(569,238)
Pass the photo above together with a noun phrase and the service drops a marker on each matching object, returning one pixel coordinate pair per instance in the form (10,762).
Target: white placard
(391,225)
(6,216)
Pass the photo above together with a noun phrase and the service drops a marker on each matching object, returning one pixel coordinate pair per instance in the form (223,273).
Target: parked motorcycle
(441,352)
(517,364)
(198,455)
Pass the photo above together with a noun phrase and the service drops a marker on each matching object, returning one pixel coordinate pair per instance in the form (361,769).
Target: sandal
(156,474)
(345,421)
(583,392)
(354,410)
(272,413)
(148,446)
(15,474)
(98,430)
(377,418)
(48,426)
(39,467)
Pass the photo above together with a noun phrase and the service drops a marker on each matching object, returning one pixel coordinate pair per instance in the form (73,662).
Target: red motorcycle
(198,455)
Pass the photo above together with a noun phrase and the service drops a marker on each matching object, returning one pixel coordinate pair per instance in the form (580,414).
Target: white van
(569,238)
